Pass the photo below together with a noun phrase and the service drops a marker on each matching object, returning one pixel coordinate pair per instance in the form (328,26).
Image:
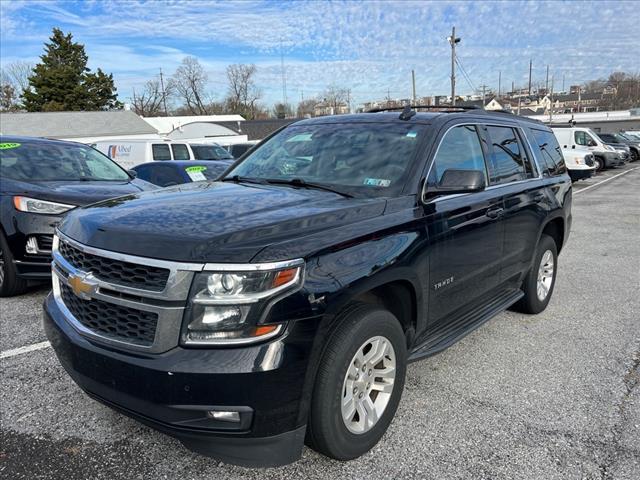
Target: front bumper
(172,392)
(581,173)
(612,159)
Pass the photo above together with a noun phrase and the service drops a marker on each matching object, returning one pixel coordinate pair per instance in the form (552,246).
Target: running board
(466,323)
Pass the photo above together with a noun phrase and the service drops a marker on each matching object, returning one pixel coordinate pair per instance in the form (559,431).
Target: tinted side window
(180,151)
(509,162)
(550,152)
(161,151)
(459,149)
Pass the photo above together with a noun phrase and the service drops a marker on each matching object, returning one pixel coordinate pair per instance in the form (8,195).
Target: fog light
(224,416)
(32,245)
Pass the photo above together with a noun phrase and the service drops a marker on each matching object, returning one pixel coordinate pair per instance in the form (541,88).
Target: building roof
(165,125)
(74,124)
(573,97)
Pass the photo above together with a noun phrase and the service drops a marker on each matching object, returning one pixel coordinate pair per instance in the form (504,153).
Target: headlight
(33,205)
(225,304)
(577,160)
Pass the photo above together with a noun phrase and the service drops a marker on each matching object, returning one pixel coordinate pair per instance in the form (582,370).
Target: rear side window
(180,151)
(550,152)
(459,149)
(161,151)
(509,161)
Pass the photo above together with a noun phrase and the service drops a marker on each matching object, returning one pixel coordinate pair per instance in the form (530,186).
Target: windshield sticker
(412,134)
(7,146)
(377,182)
(302,137)
(196,173)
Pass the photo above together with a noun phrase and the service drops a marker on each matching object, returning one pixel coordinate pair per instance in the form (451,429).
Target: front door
(465,231)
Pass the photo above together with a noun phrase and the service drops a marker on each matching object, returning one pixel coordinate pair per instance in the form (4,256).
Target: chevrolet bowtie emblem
(82,285)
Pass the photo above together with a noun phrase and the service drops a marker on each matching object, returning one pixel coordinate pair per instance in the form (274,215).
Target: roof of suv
(419,117)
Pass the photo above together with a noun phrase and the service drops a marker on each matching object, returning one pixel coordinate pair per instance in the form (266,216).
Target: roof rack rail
(431,107)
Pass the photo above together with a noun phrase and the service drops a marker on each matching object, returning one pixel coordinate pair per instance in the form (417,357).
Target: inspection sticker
(7,146)
(196,173)
(377,182)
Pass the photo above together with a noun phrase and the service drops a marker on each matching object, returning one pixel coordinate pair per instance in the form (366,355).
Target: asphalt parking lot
(552,396)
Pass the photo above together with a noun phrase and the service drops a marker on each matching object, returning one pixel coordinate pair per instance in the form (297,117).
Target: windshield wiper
(239,179)
(299,182)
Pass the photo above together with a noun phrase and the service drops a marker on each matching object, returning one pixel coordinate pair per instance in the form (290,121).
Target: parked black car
(210,151)
(284,302)
(40,181)
(166,174)
(616,139)
(239,149)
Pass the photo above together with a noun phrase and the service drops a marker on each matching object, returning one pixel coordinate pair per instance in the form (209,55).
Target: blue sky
(369,47)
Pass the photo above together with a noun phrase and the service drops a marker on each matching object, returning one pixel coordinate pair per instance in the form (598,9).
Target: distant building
(198,128)
(85,127)
(573,102)
(324,108)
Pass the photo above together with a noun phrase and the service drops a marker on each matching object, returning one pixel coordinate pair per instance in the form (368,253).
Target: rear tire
(539,282)
(10,283)
(344,387)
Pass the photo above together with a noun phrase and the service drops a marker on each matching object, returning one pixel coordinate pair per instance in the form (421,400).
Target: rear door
(465,231)
(515,177)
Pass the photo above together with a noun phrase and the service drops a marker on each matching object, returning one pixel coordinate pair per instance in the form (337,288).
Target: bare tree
(335,96)
(307,108)
(14,80)
(150,101)
(243,94)
(9,99)
(190,83)
(281,110)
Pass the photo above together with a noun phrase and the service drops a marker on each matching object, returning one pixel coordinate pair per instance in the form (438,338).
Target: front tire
(598,163)
(359,383)
(10,283)
(539,282)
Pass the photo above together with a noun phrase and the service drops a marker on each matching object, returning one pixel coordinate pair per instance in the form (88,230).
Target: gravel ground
(549,396)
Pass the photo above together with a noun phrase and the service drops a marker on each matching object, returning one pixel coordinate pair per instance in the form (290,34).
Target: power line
(465,74)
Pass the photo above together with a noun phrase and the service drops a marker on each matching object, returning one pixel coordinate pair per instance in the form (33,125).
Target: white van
(131,152)
(573,138)
(580,163)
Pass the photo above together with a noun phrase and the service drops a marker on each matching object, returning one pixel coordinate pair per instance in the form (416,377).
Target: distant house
(85,127)
(325,108)
(573,102)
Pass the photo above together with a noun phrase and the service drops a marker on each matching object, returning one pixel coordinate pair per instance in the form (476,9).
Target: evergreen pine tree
(62,81)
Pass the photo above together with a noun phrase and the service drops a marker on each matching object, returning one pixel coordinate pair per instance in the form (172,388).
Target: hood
(74,193)
(213,221)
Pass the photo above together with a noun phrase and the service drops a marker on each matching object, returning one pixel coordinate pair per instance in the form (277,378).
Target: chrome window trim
(252,267)
(489,187)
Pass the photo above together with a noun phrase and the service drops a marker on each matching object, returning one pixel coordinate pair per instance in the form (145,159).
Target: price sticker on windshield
(8,146)
(377,182)
(196,174)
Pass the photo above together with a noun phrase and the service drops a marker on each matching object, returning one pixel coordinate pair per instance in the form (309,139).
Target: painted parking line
(14,352)
(604,181)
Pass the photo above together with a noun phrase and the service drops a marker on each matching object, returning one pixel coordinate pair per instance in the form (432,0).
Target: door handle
(538,197)
(495,212)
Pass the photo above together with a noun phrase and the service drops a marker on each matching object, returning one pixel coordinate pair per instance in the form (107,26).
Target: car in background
(580,163)
(41,180)
(239,149)
(621,147)
(167,174)
(128,153)
(631,142)
(210,151)
(604,155)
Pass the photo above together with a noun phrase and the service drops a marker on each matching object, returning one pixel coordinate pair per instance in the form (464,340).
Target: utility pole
(546,88)
(284,77)
(499,84)
(413,83)
(551,102)
(563,90)
(530,68)
(453,40)
(164,97)
(484,89)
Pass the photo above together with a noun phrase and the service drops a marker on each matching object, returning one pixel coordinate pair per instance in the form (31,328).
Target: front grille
(115,271)
(45,243)
(109,320)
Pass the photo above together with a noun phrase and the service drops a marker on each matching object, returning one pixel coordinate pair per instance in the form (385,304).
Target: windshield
(42,161)
(210,152)
(368,158)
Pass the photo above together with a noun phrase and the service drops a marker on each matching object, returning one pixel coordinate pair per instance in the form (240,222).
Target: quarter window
(550,152)
(161,151)
(509,161)
(459,149)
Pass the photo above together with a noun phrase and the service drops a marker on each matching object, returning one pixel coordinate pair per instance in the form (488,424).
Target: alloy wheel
(368,384)
(545,275)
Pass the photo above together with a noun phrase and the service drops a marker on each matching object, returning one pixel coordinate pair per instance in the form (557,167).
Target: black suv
(282,304)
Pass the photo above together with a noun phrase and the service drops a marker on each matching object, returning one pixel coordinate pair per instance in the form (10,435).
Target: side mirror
(455,181)
(132,173)
(592,143)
